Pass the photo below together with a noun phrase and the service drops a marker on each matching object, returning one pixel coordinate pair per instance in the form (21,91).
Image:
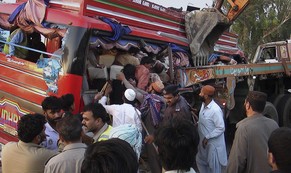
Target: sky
(183,3)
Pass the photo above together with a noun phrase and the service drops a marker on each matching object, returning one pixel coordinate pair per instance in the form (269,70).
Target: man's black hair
(177,143)
(98,111)
(280,146)
(257,100)
(70,128)
(147,60)
(110,156)
(129,71)
(171,89)
(52,103)
(67,101)
(29,126)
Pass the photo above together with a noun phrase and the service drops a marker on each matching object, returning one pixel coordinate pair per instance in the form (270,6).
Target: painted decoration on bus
(10,114)
(51,69)
(193,76)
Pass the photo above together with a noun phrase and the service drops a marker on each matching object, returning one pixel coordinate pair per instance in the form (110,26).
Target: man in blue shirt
(211,157)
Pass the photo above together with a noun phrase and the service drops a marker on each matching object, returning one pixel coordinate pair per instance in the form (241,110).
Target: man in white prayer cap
(122,114)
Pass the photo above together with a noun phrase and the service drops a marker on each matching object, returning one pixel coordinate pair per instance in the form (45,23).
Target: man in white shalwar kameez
(211,157)
(122,114)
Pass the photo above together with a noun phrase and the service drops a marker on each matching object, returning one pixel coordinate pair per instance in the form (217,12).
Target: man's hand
(204,142)
(98,96)
(149,139)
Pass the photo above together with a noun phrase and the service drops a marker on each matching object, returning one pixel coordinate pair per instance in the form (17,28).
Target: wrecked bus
(71,28)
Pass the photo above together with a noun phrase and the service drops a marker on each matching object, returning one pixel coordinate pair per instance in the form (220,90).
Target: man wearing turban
(211,157)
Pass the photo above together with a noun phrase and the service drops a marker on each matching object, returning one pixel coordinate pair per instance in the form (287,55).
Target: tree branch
(277,27)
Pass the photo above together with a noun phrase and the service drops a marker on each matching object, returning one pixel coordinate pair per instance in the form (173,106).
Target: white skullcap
(129,94)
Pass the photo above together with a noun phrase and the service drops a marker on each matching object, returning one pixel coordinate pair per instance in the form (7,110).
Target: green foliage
(263,21)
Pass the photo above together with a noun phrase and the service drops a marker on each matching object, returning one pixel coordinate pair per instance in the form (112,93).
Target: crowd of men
(154,122)
(155,125)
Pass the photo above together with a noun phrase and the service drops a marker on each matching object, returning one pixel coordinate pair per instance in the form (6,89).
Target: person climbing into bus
(152,108)
(35,43)
(142,72)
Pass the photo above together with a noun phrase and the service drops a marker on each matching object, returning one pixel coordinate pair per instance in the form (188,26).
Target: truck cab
(273,52)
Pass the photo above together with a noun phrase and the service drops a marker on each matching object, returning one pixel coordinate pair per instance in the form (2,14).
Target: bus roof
(74,18)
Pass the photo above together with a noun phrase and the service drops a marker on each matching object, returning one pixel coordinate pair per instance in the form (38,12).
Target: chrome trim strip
(70,4)
(41,93)
(34,75)
(164,34)
(92,8)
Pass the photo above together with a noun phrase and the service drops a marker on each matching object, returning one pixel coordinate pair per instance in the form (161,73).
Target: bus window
(30,48)
(269,53)
(16,43)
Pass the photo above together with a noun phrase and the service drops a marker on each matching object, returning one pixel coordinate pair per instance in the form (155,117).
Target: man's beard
(43,138)
(53,121)
(201,98)
(244,111)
